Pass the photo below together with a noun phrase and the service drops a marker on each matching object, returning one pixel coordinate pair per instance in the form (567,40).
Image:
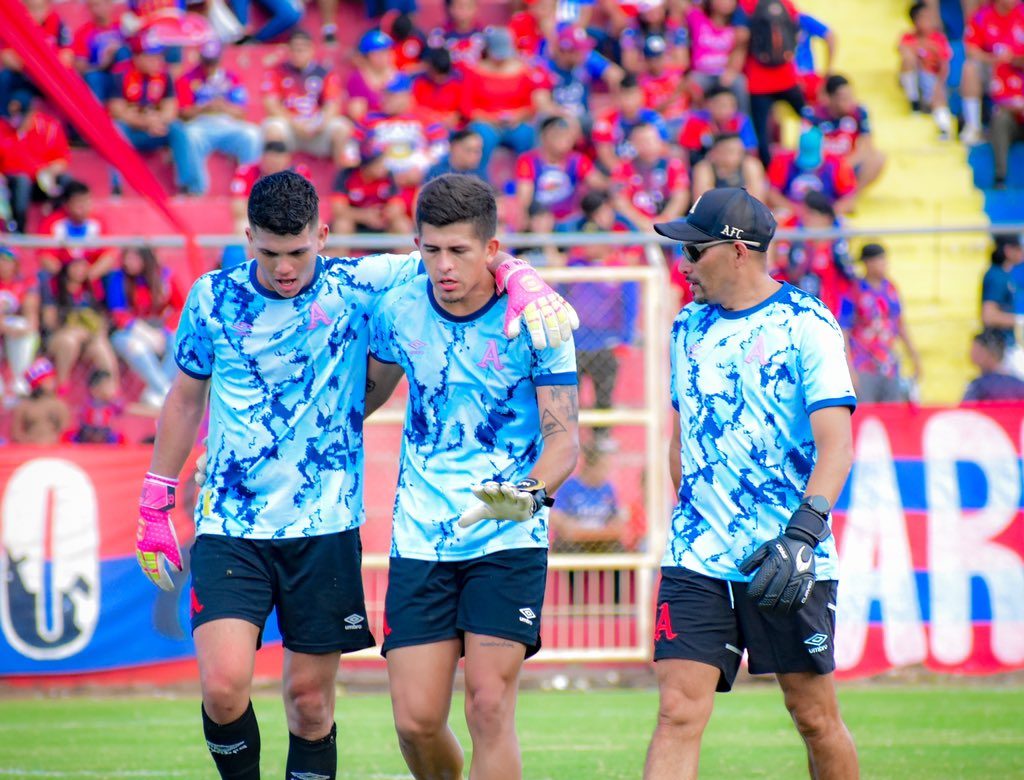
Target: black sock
(235,746)
(318,758)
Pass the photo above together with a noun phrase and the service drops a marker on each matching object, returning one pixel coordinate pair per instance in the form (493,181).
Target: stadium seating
(926,183)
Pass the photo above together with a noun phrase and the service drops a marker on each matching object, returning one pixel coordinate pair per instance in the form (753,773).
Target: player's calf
(234,746)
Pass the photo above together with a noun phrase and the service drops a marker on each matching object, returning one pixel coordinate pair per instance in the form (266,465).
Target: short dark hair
(992,341)
(716,91)
(298,34)
(275,147)
(98,375)
(73,188)
(456,197)
(438,59)
(462,135)
(721,138)
(629,82)
(835,83)
(402,27)
(552,121)
(819,202)
(284,204)
(592,201)
(915,9)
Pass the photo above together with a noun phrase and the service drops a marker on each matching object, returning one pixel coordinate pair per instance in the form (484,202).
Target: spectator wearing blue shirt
(465,155)
(607,310)
(587,516)
(574,67)
(998,300)
(988,351)
(810,80)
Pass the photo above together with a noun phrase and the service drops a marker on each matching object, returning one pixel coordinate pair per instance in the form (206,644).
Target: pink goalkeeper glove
(155,540)
(550,320)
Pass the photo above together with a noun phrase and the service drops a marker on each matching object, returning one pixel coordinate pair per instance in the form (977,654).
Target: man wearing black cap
(761,447)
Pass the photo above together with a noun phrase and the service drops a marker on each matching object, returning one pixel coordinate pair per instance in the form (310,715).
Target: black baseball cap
(724,213)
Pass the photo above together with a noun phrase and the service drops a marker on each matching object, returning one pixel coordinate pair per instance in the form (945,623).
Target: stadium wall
(930,530)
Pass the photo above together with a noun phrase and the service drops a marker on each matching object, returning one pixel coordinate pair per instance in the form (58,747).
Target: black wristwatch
(538,490)
(809,522)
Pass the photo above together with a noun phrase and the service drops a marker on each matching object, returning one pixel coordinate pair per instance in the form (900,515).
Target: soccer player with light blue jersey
(280,344)
(761,447)
(468,560)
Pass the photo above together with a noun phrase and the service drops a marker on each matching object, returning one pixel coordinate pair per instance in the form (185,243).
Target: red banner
(930,532)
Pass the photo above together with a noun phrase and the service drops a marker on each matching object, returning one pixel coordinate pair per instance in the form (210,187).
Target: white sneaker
(971,136)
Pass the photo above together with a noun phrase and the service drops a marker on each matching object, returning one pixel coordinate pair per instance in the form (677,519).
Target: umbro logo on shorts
(354,621)
(527,615)
(816,643)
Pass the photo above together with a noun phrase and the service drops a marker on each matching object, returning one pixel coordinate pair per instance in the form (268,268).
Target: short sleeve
(194,352)
(824,371)
(382,336)
(993,288)
(814,28)
(524,168)
(554,366)
(596,65)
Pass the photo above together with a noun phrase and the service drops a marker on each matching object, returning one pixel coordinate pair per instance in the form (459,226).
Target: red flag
(71,94)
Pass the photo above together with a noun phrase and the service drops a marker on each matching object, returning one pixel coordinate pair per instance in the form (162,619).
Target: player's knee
(684,716)
(225,697)
(309,707)
(813,720)
(416,728)
(489,708)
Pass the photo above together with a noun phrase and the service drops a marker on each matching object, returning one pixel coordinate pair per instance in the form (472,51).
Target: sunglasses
(693,252)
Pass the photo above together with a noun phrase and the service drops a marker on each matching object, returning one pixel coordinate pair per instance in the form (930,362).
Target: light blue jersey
(472,416)
(744,384)
(287,395)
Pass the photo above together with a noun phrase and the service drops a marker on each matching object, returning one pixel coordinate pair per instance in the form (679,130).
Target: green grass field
(901,731)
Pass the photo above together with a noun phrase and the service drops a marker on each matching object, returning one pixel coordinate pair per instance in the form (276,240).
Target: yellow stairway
(927,183)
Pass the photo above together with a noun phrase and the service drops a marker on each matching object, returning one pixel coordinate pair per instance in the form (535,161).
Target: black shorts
(315,582)
(701,618)
(498,595)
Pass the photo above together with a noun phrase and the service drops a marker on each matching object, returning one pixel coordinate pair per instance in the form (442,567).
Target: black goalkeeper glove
(785,565)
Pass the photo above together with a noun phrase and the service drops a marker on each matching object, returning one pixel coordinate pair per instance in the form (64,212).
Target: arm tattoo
(550,424)
(567,398)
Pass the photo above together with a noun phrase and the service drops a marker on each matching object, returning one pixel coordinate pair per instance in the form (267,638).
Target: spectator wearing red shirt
(19,319)
(33,158)
(212,102)
(374,67)
(14,84)
(74,221)
(727,164)
(303,103)
(925,55)
(992,38)
(792,175)
(767,32)
(409,40)
(653,186)
(99,45)
(663,86)
(1008,117)
(871,316)
(612,130)
(437,91)
(554,175)
(275,158)
(501,96)
(846,130)
(408,144)
(719,115)
(532,26)
(368,200)
(819,266)
(145,328)
(145,108)
(462,34)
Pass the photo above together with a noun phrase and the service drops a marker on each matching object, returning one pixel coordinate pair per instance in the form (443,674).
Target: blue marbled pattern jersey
(745,383)
(287,395)
(472,416)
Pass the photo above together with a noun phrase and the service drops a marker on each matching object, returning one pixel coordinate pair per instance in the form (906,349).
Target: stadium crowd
(583,116)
